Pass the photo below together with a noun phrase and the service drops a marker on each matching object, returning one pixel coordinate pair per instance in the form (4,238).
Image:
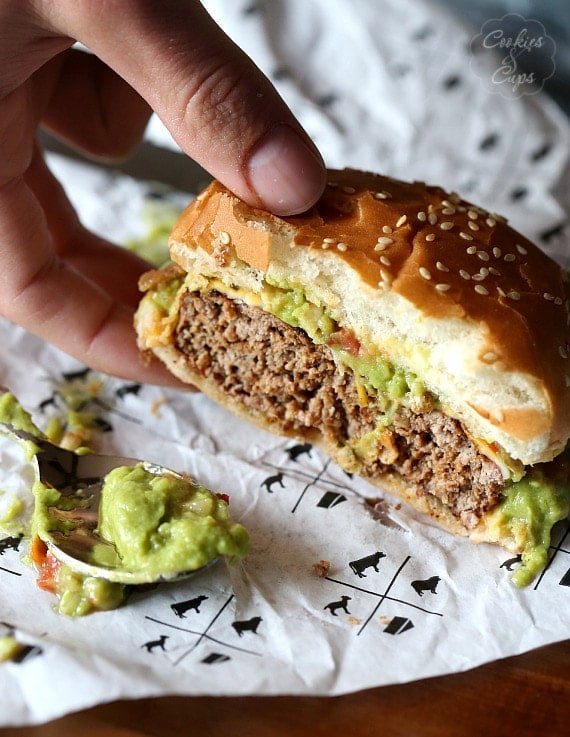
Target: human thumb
(218,106)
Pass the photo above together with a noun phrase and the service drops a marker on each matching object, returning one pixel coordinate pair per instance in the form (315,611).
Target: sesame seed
(483,255)
(494,271)
(509,257)
(441,267)
(329,240)
(514,295)
(380,247)
(422,216)
(446,225)
(465,236)
(386,229)
(341,246)
(472,214)
(385,241)
(548,297)
(443,287)
(448,211)
(490,222)
(454,198)
(432,218)
(447,203)
(424,273)
(490,356)
(472,225)
(562,351)
(501,292)
(332,184)
(382,195)
(480,289)
(478,277)
(497,253)
(558,300)
(324,246)
(386,277)
(224,237)
(401,221)
(464,274)
(471,250)
(348,190)
(385,260)
(430,237)
(521,249)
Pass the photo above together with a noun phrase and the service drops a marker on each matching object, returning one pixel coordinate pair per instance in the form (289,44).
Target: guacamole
(12,413)
(160,525)
(150,527)
(526,514)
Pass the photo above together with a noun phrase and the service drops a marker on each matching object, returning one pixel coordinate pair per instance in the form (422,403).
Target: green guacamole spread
(527,514)
(164,524)
(158,525)
(378,375)
(12,413)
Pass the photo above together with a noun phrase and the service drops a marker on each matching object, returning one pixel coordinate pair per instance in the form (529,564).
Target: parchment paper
(402,599)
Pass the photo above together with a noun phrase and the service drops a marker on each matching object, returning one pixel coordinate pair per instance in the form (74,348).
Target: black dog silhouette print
(341,604)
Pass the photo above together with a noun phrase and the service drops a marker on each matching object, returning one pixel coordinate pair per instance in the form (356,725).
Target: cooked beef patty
(277,371)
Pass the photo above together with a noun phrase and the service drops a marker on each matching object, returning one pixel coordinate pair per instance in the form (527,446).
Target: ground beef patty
(277,371)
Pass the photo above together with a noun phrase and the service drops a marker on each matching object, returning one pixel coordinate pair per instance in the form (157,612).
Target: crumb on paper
(354,620)
(156,405)
(379,509)
(76,438)
(322,568)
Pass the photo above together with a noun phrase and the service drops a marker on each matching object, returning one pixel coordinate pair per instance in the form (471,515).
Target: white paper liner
(304,509)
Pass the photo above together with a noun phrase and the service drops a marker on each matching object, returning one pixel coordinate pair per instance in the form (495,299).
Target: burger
(416,338)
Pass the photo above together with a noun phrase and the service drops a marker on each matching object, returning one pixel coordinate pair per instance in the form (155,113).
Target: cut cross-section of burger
(416,338)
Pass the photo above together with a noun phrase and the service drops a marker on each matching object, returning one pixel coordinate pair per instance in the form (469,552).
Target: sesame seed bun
(436,285)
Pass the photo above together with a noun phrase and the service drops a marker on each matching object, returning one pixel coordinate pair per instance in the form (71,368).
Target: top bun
(437,285)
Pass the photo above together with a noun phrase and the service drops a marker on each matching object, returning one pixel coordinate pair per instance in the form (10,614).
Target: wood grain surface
(524,695)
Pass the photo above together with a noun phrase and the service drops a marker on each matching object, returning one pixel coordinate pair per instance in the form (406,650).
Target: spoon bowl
(79,479)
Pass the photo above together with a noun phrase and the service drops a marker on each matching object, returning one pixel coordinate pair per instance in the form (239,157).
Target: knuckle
(222,104)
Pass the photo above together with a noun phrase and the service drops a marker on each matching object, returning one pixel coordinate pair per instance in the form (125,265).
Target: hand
(58,280)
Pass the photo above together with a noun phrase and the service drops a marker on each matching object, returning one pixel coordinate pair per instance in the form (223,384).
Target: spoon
(79,479)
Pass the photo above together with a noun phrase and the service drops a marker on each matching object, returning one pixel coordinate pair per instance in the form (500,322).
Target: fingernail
(287,174)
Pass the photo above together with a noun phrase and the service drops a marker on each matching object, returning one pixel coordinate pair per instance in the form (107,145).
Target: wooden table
(524,695)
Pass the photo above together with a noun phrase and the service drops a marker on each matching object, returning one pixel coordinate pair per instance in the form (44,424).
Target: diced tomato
(346,340)
(47,565)
(38,551)
(224,497)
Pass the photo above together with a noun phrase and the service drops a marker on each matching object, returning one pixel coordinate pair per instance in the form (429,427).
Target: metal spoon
(79,479)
